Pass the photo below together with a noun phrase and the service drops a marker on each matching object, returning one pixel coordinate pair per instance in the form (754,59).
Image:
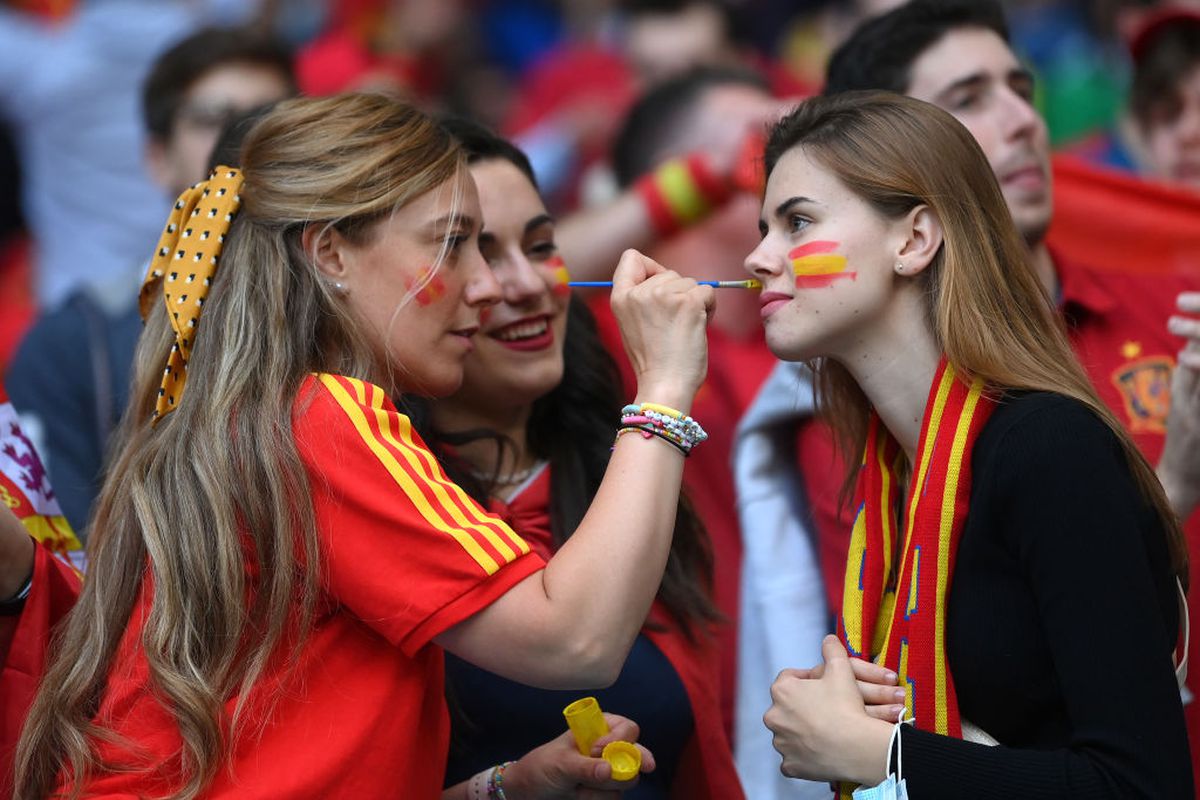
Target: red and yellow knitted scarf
(909,636)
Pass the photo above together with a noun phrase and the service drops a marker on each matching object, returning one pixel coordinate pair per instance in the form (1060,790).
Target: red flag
(1116,222)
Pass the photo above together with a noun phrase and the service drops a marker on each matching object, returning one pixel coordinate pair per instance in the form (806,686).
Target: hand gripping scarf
(896,615)
(184,264)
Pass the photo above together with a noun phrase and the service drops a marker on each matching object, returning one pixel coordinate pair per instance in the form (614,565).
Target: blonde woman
(1013,563)
(277,560)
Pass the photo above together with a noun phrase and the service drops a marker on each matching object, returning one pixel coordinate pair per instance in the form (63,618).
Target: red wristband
(681,192)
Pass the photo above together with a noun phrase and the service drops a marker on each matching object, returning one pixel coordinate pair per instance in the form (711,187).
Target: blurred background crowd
(110,108)
(555,76)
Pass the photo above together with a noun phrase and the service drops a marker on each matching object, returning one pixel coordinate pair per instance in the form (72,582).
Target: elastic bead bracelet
(675,423)
(647,432)
(495,786)
(661,409)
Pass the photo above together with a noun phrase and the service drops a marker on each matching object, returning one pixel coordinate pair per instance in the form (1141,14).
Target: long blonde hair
(212,502)
(990,313)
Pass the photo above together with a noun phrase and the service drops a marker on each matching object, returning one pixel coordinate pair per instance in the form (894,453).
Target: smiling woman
(529,435)
(277,560)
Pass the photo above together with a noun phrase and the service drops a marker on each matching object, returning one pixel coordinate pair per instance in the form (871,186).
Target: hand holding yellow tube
(587,725)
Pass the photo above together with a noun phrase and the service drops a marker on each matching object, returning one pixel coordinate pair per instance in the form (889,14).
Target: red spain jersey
(406,555)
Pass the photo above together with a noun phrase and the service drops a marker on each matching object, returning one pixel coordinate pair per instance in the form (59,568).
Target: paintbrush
(750,284)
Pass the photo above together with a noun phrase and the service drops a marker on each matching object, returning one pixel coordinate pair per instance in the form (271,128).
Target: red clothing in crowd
(54,591)
(705,770)
(406,555)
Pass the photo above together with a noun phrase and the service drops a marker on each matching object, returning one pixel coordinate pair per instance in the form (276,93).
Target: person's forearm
(592,240)
(628,527)
(571,625)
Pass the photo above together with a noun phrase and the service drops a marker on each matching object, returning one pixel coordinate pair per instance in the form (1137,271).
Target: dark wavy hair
(572,427)
(881,52)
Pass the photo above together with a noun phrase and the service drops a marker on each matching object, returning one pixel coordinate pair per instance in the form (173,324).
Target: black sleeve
(1067,505)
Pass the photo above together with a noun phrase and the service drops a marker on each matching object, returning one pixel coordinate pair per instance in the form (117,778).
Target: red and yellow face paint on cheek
(560,279)
(431,289)
(817,265)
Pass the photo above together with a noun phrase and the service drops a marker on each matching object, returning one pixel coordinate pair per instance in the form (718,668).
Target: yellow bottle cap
(586,723)
(625,760)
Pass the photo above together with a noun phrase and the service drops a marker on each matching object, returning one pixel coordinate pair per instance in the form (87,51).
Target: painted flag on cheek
(25,488)
(560,278)
(815,264)
(427,286)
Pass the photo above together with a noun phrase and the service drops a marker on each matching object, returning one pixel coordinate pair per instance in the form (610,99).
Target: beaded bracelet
(495,785)
(681,192)
(650,432)
(673,423)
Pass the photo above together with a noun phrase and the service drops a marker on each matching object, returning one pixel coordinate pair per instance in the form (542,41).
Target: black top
(1061,621)
(496,720)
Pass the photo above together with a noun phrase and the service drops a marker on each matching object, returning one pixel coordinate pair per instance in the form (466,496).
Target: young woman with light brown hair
(1013,564)
(277,561)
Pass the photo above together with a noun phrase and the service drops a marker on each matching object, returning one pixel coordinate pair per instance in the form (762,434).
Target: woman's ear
(327,248)
(923,239)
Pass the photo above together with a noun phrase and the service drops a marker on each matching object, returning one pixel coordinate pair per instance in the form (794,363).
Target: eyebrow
(784,207)
(538,221)
(977,79)
(451,221)
(973,80)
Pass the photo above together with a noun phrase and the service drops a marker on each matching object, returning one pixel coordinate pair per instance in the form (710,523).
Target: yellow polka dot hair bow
(184,264)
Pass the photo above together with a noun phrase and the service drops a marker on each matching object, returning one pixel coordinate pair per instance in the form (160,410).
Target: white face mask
(890,789)
(893,787)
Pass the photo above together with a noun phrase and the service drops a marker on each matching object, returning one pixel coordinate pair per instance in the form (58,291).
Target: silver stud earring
(339,287)
(900,268)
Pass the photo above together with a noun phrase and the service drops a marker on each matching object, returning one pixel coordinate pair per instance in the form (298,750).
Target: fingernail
(1174,323)
(898,694)
(891,677)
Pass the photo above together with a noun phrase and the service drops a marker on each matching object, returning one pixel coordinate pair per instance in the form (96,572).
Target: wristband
(666,421)
(649,432)
(477,789)
(495,783)
(681,192)
(14,605)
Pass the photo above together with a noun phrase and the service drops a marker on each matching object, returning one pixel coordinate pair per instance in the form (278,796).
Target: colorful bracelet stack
(682,192)
(673,427)
(495,786)
(489,784)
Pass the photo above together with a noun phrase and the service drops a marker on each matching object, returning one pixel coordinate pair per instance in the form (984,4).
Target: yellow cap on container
(625,760)
(586,723)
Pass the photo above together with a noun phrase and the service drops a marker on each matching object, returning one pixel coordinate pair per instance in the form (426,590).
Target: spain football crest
(1145,387)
